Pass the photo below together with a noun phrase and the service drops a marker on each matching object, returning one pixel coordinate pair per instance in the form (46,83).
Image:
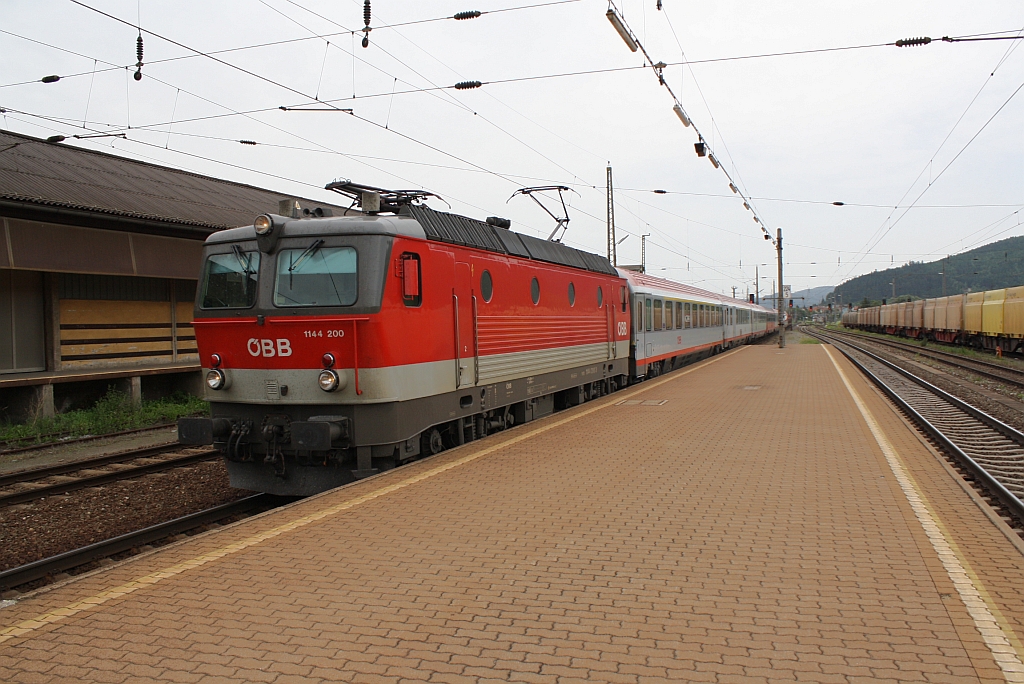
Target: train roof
(670,288)
(420,221)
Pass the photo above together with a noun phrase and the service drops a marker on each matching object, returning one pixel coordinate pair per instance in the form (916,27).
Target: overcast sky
(863,126)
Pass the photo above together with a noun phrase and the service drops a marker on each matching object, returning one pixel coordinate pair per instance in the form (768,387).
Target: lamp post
(779,301)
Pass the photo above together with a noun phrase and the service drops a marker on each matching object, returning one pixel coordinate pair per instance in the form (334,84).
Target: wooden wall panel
(114,333)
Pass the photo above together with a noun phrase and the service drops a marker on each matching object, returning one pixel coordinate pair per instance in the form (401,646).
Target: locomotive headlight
(329,380)
(263,224)
(216,379)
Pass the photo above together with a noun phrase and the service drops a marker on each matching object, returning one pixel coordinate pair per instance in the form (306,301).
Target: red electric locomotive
(337,347)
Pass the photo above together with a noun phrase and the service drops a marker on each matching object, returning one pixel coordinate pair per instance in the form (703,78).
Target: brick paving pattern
(748,529)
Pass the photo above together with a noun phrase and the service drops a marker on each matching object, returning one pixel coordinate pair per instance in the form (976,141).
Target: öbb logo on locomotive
(267,348)
(377,337)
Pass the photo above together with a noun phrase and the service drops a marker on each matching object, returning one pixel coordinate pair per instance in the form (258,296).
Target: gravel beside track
(44,528)
(956,382)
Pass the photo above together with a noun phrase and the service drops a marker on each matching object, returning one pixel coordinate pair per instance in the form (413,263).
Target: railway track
(17,446)
(990,452)
(48,567)
(28,485)
(993,371)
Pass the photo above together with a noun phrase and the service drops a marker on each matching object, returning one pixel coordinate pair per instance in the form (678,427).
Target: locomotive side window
(535,290)
(622,298)
(600,297)
(412,281)
(316,276)
(679,315)
(657,314)
(229,280)
(572,295)
(486,286)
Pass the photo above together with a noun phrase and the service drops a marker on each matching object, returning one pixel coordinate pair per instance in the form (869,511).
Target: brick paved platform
(751,528)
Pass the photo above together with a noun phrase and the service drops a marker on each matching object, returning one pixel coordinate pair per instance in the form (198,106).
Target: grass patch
(810,340)
(113,413)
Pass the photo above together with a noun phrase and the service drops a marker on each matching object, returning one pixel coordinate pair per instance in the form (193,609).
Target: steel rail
(71,466)
(40,569)
(1013,504)
(74,440)
(104,478)
(955,360)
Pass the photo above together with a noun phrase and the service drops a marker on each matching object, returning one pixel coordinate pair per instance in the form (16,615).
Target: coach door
(465,326)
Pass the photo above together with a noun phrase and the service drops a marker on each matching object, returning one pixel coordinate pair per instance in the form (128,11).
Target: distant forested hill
(994,266)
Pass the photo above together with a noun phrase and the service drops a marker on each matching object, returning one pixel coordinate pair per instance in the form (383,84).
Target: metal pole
(944,277)
(611,221)
(757,286)
(643,252)
(780,301)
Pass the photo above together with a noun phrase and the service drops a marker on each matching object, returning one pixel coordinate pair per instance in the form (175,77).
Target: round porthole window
(600,298)
(535,290)
(486,285)
(572,295)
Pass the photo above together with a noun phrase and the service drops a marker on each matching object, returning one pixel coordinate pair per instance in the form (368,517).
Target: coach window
(687,320)
(600,297)
(647,318)
(486,286)
(657,315)
(669,306)
(679,315)
(638,316)
(572,295)
(412,281)
(535,290)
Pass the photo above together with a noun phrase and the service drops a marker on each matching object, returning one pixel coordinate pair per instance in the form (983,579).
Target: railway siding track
(987,369)
(28,485)
(985,447)
(48,567)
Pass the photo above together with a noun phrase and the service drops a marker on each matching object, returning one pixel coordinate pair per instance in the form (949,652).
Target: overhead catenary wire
(658,67)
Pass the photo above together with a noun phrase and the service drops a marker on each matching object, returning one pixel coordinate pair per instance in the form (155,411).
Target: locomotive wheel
(431,442)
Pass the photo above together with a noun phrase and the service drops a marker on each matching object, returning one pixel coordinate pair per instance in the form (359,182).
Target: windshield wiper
(243,261)
(310,251)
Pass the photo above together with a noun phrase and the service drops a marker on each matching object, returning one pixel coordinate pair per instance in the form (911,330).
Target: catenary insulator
(468,85)
(911,42)
(471,14)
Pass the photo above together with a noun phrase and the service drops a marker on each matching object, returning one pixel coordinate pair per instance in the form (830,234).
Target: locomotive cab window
(230,280)
(412,280)
(316,276)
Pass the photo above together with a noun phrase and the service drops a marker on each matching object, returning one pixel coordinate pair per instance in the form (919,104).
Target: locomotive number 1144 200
(324,333)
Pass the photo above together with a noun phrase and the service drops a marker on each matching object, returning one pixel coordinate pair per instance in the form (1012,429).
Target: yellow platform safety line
(995,631)
(53,616)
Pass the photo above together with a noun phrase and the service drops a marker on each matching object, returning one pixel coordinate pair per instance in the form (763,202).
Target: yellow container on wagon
(1013,312)
(955,312)
(992,312)
(972,312)
(915,314)
(928,317)
(939,321)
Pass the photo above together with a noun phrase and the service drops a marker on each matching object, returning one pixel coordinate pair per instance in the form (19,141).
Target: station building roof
(60,183)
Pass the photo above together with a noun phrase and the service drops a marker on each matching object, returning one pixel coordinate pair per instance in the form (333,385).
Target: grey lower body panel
(265,457)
